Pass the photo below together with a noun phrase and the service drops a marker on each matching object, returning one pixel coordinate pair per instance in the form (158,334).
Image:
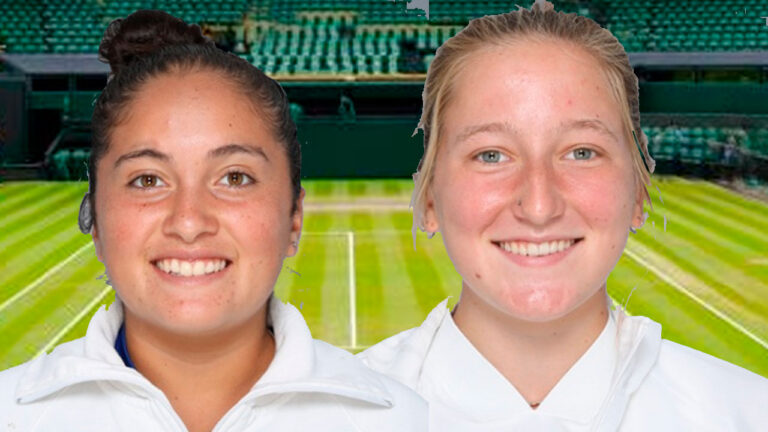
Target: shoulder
(406,408)
(9,381)
(402,356)
(695,371)
(704,390)
(11,415)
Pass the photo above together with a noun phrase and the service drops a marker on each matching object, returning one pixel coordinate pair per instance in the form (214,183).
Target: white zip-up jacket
(628,380)
(84,386)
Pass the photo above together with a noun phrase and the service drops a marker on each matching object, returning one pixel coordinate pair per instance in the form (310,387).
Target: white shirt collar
(301,364)
(460,373)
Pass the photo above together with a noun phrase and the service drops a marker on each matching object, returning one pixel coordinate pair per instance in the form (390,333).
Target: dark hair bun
(145,32)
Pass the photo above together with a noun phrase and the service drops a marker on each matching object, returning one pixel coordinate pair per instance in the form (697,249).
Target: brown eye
(237,179)
(146,181)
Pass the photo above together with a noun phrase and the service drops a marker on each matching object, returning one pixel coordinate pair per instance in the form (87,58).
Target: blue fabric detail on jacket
(122,348)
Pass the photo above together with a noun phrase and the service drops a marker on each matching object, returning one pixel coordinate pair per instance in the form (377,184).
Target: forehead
(190,111)
(533,83)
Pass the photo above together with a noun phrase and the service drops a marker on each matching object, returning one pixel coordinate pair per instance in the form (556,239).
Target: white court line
(352,291)
(21,293)
(695,298)
(74,321)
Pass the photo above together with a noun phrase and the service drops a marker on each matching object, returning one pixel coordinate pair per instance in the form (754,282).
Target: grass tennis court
(700,267)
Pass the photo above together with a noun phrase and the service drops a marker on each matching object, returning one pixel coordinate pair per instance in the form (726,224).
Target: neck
(532,356)
(201,374)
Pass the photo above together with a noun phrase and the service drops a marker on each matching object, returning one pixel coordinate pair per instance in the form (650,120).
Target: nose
(190,215)
(539,199)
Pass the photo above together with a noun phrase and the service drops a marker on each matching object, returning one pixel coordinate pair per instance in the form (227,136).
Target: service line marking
(663,276)
(24,291)
(74,321)
(352,290)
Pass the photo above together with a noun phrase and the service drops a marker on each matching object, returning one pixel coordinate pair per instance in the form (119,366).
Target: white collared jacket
(630,379)
(83,386)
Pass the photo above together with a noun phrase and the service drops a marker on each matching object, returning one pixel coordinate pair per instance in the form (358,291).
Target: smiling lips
(185,268)
(531,249)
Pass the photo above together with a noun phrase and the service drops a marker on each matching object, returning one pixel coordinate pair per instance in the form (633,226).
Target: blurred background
(354,71)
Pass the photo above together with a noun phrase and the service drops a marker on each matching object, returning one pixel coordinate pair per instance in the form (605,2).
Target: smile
(191,268)
(536,249)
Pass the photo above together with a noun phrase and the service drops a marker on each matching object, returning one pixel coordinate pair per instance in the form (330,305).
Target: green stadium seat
(60,164)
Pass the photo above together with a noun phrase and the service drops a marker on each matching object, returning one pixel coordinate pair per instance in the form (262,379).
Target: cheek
(605,201)
(468,201)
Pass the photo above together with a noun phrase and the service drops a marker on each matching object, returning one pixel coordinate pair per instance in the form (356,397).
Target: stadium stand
(314,27)
(309,45)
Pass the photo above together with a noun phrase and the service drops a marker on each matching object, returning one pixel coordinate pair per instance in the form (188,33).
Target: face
(193,206)
(533,189)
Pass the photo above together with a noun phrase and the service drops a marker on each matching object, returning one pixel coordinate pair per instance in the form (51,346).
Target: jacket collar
(594,391)
(301,364)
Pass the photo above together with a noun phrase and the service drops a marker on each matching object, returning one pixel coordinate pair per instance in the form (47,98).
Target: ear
(429,220)
(638,215)
(297,219)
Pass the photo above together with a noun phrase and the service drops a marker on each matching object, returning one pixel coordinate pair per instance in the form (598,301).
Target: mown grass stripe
(683,321)
(731,218)
(32,198)
(450,279)
(334,307)
(319,188)
(29,195)
(420,269)
(23,237)
(706,305)
(731,224)
(315,279)
(11,190)
(79,329)
(357,188)
(713,196)
(709,263)
(710,233)
(398,187)
(40,210)
(43,278)
(400,306)
(97,300)
(749,314)
(370,292)
(22,268)
(42,313)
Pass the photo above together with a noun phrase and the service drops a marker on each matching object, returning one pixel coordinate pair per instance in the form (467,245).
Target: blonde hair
(540,22)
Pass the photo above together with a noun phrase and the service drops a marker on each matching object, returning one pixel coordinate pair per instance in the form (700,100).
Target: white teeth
(536,249)
(190,268)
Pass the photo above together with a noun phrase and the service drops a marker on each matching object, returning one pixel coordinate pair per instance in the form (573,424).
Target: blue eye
(237,179)
(582,153)
(491,156)
(147,181)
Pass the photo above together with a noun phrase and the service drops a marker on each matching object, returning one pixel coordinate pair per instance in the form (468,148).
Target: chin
(538,304)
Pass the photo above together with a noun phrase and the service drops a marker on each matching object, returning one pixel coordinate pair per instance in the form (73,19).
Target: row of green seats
(70,164)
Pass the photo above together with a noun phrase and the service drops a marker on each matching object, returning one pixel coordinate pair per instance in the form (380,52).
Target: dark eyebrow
(494,127)
(230,149)
(222,151)
(142,153)
(594,124)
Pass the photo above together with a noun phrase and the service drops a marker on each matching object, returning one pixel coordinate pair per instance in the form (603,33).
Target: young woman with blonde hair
(534,172)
